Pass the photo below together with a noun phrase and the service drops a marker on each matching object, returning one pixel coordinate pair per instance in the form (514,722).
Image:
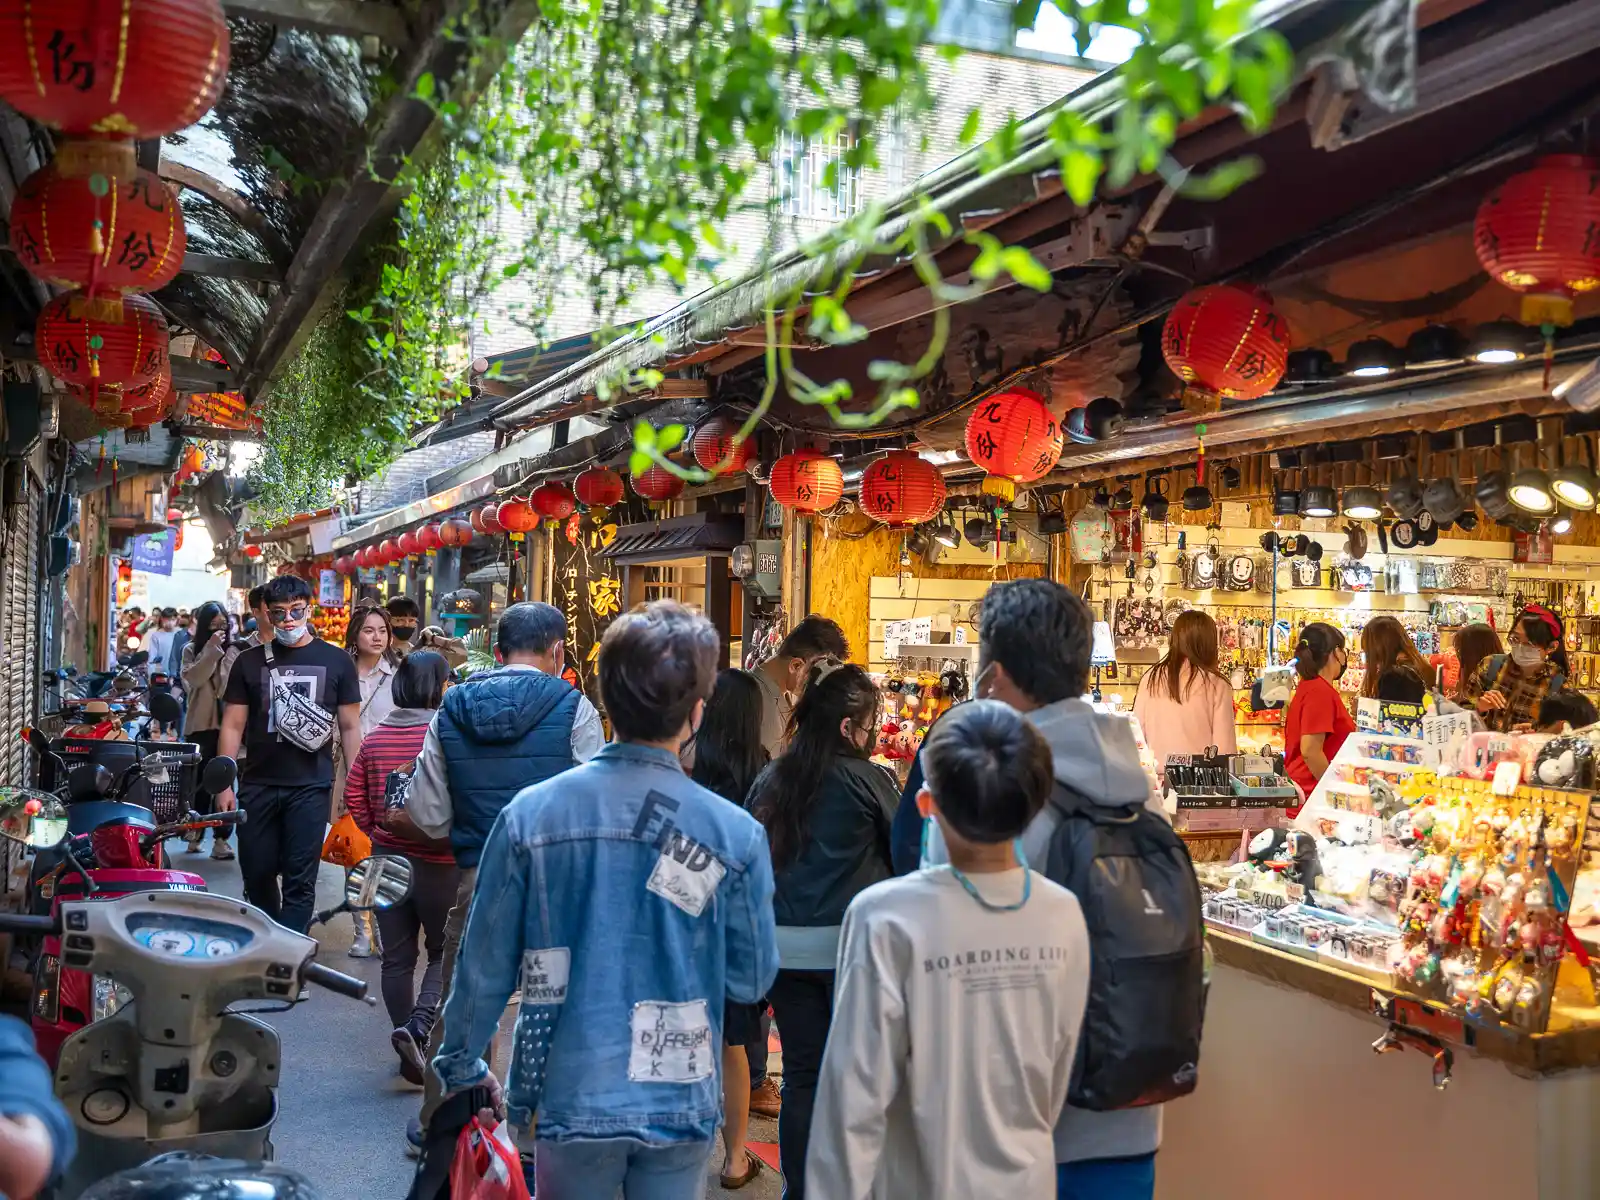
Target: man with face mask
(160,639)
(405,619)
(284,788)
(784,674)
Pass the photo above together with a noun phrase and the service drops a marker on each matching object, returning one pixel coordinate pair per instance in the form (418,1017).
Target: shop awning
(698,535)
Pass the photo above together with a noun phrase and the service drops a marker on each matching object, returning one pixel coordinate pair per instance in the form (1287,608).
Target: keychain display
(915,693)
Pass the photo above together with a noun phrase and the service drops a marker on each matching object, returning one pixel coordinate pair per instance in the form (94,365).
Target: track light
(1530,491)
(944,532)
(1561,522)
(1435,346)
(1498,342)
(1363,503)
(1372,357)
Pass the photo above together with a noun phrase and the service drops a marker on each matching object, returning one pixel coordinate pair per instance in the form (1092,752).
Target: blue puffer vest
(500,733)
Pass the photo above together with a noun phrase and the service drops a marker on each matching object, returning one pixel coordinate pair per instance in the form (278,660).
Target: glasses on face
(279,615)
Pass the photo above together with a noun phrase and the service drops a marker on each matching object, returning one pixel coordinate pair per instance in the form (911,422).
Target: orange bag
(345,844)
(487,1165)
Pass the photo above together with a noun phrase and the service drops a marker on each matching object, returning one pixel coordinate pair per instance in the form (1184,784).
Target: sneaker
(362,946)
(221,849)
(764,1098)
(414,1138)
(194,841)
(405,1045)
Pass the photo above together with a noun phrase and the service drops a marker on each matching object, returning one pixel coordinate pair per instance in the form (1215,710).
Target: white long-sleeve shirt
(953,1035)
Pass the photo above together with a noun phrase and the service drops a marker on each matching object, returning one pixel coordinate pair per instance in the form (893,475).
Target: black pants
(204,802)
(282,837)
(802,1005)
(425,910)
(756,1050)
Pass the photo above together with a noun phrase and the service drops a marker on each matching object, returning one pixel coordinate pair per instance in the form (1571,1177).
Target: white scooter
(174,1070)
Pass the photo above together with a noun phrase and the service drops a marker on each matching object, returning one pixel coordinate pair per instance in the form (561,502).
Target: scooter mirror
(219,775)
(165,708)
(90,781)
(138,658)
(37,819)
(377,882)
(39,741)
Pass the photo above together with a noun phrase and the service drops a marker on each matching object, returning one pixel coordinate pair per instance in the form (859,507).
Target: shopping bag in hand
(346,845)
(487,1165)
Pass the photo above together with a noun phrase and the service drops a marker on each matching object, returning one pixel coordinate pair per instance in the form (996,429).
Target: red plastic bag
(487,1165)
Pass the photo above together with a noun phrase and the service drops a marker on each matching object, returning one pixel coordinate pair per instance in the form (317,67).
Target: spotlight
(1308,367)
(944,532)
(1576,485)
(1318,501)
(979,532)
(1498,342)
(1123,498)
(1363,503)
(1561,522)
(1197,498)
(1435,346)
(1530,491)
(1372,357)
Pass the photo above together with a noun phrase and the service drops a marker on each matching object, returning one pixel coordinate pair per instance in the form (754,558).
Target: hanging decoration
(252,551)
(1536,234)
(1013,437)
(598,487)
(657,485)
(430,537)
(902,488)
(553,501)
(407,542)
(121,232)
(388,552)
(95,342)
(113,68)
(714,445)
(807,481)
(1226,342)
(344,565)
(455,532)
(488,519)
(517,517)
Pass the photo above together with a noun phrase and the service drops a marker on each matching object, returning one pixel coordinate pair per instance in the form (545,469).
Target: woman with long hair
(370,641)
(1508,688)
(375,791)
(1185,703)
(1386,644)
(827,811)
(1474,645)
(1318,720)
(728,755)
(206,661)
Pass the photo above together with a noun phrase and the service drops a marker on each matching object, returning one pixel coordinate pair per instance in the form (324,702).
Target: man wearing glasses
(285,789)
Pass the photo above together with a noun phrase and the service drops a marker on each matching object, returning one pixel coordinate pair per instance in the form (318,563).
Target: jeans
(802,1005)
(204,804)
(282,836)
(426,911)
(455,926)
(1107,1179)
(594,1170)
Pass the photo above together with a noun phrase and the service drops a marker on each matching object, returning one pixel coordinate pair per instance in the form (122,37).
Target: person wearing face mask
(206,664)
(783,675)
(404,620)
(1508,689)
(1318,719)
(827,810)
(285,789)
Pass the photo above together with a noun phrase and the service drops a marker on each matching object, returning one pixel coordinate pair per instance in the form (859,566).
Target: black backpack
(1140,1042)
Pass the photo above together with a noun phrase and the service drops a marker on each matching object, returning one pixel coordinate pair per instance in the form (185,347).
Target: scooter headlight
(109,996)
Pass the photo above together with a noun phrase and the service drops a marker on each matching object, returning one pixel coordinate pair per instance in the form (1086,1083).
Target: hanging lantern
(1226,341)
(1014,438)
(119,233)
(807,481)
(429,536)
(455,532)
(133,69)
(344,565)
(553,501)
(488,519)
(407,542)
(388,552)
(82,342)
(1536,234)
(598,487)
(252,551)
(713,445)
(517,516)
(901,489)
(657,485)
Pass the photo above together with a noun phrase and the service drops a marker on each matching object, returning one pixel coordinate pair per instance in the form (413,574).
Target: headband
(1542,614)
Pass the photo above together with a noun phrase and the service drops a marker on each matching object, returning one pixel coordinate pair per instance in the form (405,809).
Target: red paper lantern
(657,485)
(807,481)
(120,233)
(901,489)
(134,68)
(1013,437)
(553,501)
(1227,340)
(517,516)
(388,552)
(1537,234)
(429,537)
(713,443)
(488,519)
(252,551)
(99,341)
(408,544)
(455,533)
(598,487)
(344,565)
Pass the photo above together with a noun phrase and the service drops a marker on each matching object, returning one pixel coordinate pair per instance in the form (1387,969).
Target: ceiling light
(1285,502)
(1363,503)
(1498,342)
(1372,357)
(1530,491)
(1309,366)
(1576,485)
(1123,498)
(1435,346)
(1318,501)
(1197,498)
(1561,522)
(979,532)
(944,532)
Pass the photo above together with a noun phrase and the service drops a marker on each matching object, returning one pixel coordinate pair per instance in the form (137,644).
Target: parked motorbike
(173,1069)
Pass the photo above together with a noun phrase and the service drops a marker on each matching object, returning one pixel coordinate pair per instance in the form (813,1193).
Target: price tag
(1507,777)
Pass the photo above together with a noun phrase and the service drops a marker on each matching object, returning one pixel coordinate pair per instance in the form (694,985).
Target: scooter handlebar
(24,923)
(334,981)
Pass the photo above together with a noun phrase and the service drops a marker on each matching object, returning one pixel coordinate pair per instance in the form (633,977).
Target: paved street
(343,1105)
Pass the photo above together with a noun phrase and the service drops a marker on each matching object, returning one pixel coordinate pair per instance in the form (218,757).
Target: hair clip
(825,667)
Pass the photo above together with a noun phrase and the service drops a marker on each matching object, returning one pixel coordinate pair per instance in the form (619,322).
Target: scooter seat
(184,1175)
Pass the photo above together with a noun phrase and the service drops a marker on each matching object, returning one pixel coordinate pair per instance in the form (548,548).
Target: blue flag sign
(152,552)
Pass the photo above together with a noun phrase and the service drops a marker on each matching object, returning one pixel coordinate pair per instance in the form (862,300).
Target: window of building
(802,176)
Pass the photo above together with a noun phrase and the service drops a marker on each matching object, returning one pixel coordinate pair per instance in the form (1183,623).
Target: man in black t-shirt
(286,790)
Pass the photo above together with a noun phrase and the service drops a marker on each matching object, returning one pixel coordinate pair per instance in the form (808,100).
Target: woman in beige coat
(207,659)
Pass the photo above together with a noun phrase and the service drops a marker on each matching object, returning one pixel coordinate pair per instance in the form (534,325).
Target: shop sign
(330,589)
(1533,547)
(587,593)
(152,552)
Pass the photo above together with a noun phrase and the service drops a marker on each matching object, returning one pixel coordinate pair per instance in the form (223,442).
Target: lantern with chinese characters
(455,533)
(1538,233)
(598,487)
(344,565)
(517,517)
(1226,342)
(488,518)
(428,537)
(657,485)
(407,542)
(553,501)
(713,445)
(1013,437)
(117,233)
(113,68)
(807,481)
(388,552)
(95,341)
(901,489)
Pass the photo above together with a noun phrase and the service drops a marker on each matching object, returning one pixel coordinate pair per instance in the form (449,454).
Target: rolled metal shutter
(19,610)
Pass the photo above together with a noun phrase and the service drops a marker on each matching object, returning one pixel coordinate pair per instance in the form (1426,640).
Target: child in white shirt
(959,995)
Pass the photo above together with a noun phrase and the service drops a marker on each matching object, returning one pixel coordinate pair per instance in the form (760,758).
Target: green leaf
(670,438)
(1025,269)
(638,463)
(425,86)
(1222,180)
(1080,173)
(970,127)
(644,436)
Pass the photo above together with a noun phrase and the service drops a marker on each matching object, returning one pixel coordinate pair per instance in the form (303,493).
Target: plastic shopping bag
(487,1165)
(346,845)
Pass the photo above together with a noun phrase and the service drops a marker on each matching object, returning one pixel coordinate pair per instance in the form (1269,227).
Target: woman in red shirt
(1318,719)
(375,791)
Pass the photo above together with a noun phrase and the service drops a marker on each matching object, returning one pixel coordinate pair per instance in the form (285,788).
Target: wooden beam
(193,375)
(214,189)
(218,433)
(354,18)
(219,267)
(462,64)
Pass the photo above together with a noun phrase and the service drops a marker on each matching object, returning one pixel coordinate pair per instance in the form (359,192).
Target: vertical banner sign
(330,589)
(588,590)
(152,552)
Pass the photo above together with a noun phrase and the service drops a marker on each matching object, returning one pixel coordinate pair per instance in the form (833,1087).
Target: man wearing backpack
(1140,1040)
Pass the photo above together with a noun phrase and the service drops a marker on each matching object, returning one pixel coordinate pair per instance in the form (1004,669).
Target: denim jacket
(627,903)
